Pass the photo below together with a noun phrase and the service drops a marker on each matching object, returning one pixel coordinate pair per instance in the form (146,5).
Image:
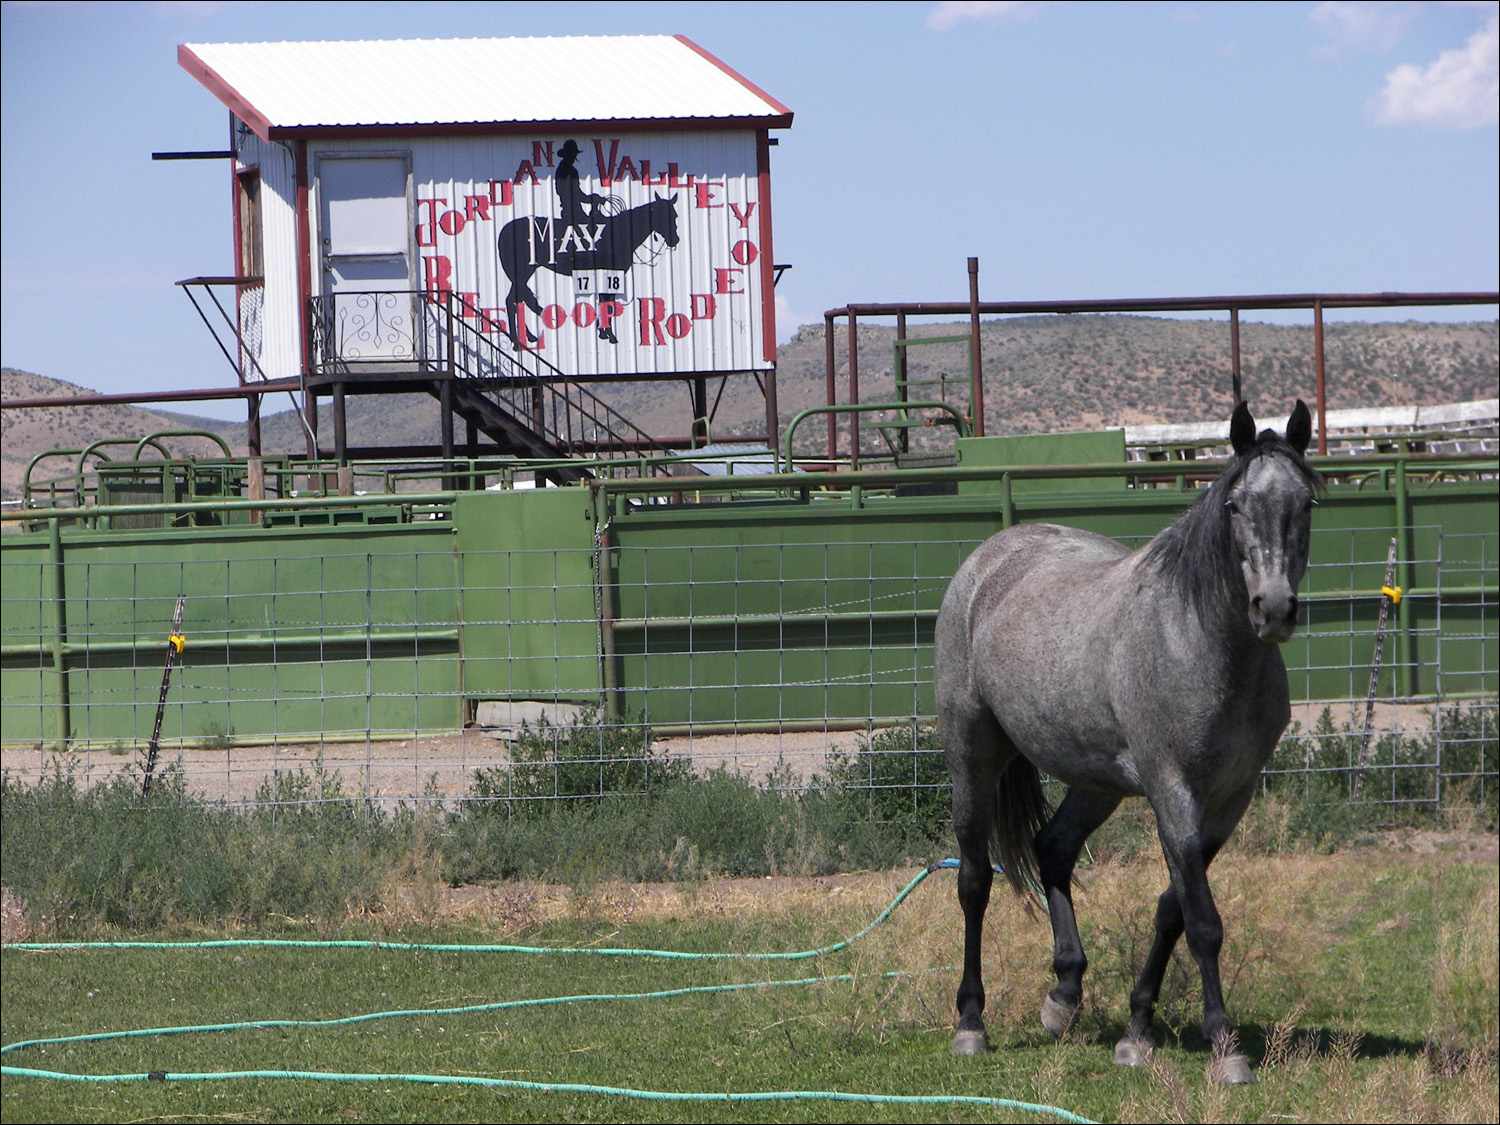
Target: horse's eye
(1234,508)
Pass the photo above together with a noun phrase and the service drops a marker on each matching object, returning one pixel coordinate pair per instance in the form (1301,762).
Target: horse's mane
(1195,555)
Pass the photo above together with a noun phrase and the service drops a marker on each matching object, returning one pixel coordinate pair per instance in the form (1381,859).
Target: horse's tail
(1020,812)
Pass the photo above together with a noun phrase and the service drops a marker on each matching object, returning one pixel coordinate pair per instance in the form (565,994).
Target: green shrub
(1470,767)
(81,858)
(106,856)
(898,777)
(636,815)
(587,758)
(308,849)
(1409,779)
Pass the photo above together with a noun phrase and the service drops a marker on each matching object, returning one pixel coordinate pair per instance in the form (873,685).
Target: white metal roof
(292,87)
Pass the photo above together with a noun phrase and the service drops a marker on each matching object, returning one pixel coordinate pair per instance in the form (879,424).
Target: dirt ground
(515,907)
(439,767)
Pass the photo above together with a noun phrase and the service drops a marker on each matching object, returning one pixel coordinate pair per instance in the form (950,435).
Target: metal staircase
(528,407)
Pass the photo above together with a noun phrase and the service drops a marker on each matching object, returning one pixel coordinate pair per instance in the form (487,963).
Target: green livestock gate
(712,603)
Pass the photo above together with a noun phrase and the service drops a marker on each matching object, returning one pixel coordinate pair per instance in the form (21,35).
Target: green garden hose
(501,1083)
(400,946)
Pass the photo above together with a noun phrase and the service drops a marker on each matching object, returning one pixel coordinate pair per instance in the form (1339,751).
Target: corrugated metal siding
(698,307)
(270,317)
(458,81)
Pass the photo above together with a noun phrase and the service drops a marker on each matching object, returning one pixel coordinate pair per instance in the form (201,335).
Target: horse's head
(664,218)
(1268,499)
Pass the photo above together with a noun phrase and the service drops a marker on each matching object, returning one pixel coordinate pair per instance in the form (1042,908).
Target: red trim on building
(239,256)
(304,255)
(238,105)
(741,79)
(767,252)
(526,128)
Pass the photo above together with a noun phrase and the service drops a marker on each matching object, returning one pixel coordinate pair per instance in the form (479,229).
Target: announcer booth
(471,218)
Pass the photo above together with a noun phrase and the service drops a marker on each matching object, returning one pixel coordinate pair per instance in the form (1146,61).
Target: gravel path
(443,766)
(406,769)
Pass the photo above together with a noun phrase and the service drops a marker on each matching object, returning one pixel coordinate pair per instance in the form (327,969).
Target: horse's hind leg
(975,877)
(973,745)
(1057,848)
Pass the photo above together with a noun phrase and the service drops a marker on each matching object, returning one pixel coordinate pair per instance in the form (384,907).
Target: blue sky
(1079,150)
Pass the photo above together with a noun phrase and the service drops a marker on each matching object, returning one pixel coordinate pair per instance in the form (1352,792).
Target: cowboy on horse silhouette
(585,238)
(570,191)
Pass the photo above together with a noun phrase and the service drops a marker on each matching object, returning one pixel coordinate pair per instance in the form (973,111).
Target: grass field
(1364,984)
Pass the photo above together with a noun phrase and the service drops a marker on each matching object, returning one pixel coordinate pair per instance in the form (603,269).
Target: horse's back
(1025,562)
(1020,550)
(1026,632)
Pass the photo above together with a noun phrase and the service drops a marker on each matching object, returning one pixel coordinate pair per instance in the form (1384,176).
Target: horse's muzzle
(1274,618)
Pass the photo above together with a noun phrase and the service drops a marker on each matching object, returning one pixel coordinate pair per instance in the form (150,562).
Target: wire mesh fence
(409,672)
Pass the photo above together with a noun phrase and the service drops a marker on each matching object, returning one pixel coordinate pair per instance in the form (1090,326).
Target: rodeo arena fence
(765,623)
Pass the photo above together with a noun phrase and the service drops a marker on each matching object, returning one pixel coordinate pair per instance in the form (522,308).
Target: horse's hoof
(971,1043)
(1231,1070)
(1132,1052)
(1057,1017)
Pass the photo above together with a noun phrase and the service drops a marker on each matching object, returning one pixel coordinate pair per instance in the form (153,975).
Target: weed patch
(104,856)
(1410,780)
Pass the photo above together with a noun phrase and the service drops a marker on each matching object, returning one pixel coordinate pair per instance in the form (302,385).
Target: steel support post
(976,367)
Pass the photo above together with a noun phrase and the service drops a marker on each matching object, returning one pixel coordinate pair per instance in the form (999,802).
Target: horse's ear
(1241,429)
(1299,427)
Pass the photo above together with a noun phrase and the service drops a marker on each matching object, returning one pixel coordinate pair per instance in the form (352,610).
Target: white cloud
(950,13)
(193,9)
(789,320)
(1459,90)
(1362,26)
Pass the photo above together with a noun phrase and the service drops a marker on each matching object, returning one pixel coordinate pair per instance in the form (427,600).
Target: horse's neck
(1231,653)
(1217,626)
(637,224)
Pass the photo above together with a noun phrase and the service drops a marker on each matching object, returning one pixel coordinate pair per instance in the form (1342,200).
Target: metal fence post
(59,628)
(1406,655)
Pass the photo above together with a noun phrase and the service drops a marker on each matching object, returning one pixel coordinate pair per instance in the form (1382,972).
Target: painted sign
(636,254)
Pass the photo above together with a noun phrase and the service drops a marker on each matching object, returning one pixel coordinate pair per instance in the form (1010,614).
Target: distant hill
(1041,373)
(1086,372)
(1049,373)
(25,433)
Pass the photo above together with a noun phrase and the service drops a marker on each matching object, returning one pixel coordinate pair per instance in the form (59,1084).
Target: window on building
(251,255)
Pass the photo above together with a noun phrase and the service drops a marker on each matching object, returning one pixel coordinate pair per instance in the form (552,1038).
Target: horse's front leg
(1187,908)
(1135,1048)
(1057,847)
(513,325)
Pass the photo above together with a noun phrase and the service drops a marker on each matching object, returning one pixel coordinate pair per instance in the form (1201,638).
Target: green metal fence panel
(1096,447)
(813,611)
(768,610)
(529,593)
(844,590)
(288,630)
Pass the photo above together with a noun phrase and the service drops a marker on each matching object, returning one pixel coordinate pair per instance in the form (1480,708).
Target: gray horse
(1152,673)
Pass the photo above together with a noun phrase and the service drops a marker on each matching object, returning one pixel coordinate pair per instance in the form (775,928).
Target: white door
(366,254)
